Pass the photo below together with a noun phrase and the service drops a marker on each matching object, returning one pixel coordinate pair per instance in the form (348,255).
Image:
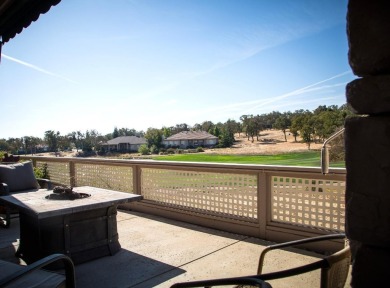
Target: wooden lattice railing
(269,202)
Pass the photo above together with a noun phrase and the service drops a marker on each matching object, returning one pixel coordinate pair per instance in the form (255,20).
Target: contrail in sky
(250,106)
(36,68)
(298,91)
(315,84)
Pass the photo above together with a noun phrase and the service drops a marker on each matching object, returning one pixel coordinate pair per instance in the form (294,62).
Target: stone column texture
(367,142)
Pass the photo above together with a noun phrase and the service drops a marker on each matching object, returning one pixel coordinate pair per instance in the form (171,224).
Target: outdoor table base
(83,236)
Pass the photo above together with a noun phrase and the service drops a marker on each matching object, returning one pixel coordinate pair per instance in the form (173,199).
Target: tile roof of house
(127,139)
(192,135)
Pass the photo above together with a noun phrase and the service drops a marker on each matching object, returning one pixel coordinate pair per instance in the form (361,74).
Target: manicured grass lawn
(309,158)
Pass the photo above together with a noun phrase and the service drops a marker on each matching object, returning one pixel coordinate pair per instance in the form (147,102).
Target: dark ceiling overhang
(15,15)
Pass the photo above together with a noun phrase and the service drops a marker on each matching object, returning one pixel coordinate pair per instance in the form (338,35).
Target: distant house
(124,144)
(188,139)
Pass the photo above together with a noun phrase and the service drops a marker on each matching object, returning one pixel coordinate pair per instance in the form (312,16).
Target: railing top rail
(188,165)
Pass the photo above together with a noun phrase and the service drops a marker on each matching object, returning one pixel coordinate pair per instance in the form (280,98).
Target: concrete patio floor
(158,252)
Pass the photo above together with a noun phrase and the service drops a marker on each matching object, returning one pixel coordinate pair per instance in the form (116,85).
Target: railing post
(262,204)
(72,174)
(137,189)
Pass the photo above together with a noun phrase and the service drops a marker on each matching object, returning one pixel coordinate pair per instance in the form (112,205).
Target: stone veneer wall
(367,142)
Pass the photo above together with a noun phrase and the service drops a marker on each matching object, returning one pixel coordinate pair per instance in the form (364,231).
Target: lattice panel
(118,178)
(58,171)
(234,195)
(309,202)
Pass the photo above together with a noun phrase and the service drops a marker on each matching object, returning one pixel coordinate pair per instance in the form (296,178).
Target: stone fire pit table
(84,229)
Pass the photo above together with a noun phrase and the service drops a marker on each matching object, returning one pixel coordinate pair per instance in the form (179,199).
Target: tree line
(311,126)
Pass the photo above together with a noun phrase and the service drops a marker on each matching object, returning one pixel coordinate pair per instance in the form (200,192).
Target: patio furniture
(246,281)
(10,158)
(83,229)
(13,275)
(17,178)
(334,268)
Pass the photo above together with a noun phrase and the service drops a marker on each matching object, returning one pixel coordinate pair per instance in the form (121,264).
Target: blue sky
(151,63)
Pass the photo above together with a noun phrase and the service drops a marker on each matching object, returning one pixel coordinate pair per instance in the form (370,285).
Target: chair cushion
(18,176)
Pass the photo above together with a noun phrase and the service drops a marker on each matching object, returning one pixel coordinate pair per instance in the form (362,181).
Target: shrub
(86,154)
(102,152)
(171,151)
(143,149)
(154,149)
(2,154)
(41,172)
(199,149)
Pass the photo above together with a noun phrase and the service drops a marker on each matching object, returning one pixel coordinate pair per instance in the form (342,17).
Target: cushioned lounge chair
(17,178)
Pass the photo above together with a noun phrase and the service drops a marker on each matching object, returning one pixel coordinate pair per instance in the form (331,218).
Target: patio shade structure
(17,15)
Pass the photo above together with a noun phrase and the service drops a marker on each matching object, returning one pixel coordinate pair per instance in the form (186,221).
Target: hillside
(270,142)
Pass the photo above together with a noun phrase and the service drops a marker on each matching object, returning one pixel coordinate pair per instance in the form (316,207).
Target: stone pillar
(367,142)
